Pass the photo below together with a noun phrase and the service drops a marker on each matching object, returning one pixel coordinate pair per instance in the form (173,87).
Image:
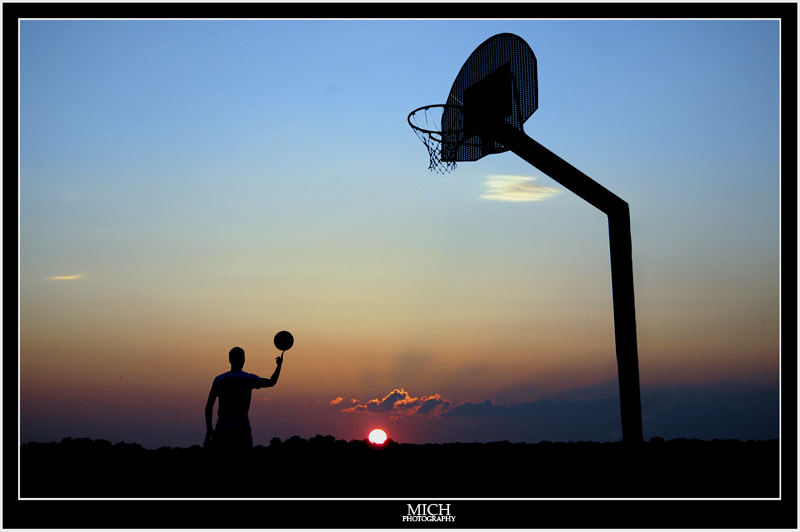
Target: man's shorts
(235,437)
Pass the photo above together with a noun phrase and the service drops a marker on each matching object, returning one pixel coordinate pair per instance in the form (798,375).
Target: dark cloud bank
(728,410)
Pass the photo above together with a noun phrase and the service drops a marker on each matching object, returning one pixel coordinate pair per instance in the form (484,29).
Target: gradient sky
(189,186)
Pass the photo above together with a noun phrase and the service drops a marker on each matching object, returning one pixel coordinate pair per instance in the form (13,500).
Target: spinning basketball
(284,340)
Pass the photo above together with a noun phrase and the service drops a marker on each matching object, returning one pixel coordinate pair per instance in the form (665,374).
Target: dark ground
(329,468)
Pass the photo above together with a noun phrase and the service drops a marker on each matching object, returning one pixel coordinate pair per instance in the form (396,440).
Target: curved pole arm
(561,171)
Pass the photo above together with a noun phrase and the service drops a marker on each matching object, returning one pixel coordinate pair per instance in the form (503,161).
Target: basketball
(284,340)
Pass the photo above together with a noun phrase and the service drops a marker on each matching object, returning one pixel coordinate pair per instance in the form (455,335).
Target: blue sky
(191,185)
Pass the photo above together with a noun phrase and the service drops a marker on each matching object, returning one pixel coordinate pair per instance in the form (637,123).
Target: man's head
(236,358)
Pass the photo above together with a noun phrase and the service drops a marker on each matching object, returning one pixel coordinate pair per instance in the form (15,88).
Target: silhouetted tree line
(325,467)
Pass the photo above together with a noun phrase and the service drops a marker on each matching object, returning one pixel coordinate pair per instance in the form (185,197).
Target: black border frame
(781,513)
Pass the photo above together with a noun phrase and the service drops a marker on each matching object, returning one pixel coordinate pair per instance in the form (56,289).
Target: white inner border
(19,276)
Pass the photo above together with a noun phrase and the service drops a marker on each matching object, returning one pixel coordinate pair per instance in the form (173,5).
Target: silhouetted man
(233,390)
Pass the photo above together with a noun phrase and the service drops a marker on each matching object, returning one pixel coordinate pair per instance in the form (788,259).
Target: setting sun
(377,437)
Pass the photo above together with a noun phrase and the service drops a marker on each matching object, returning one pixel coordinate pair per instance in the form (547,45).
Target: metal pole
(619,237)
(619,234)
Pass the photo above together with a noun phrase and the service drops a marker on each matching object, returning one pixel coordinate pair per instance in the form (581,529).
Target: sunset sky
(190,186)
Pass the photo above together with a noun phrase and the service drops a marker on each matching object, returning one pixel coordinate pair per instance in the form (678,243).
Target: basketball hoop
(493,95)
(426,122)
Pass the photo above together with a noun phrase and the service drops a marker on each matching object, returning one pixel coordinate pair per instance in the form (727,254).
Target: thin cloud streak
(516,188)
(65,277)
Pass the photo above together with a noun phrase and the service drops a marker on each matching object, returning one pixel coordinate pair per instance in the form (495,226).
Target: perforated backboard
(497,83)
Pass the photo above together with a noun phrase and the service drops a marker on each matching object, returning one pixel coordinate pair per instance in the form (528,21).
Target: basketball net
(427,125)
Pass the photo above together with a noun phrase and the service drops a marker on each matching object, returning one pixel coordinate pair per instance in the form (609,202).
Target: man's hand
(209,439)
(279,360)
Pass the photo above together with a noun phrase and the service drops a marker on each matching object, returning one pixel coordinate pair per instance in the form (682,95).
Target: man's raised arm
(266,383)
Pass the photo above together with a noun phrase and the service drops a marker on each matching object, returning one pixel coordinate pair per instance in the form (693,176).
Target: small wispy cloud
(516,188)
(337,400)
(65,277)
